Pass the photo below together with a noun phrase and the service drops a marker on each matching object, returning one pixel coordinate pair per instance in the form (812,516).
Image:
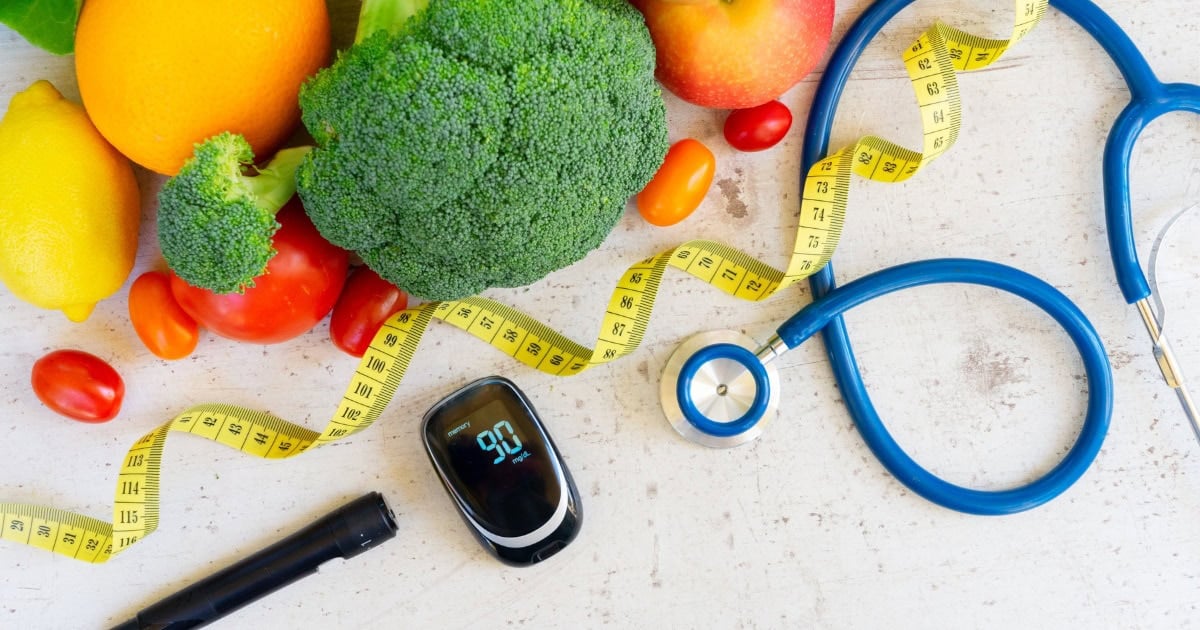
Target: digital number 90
(494,439)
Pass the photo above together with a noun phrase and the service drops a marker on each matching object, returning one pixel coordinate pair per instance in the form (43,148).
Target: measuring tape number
(932,62)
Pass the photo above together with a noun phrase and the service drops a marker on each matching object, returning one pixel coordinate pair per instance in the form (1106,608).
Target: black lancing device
(346,532)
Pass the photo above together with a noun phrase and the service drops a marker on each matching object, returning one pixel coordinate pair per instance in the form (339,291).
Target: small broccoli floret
(216,218)
(481,143)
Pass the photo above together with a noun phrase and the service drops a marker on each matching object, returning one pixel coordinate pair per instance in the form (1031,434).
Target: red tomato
(78,385)
(164,328)
(679,185)
(757,128)
(299,287)
(366,302)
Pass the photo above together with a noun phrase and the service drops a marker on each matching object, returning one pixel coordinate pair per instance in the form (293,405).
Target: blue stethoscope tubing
(824,315)
(1150,99)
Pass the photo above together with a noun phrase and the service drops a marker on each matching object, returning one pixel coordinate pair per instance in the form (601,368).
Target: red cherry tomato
(679,185)
(159,321)
(758,128)
(300,286)
(365,303)
(78,385)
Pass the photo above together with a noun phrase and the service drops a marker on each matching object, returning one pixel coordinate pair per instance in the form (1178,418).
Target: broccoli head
(481,143)
(216,217)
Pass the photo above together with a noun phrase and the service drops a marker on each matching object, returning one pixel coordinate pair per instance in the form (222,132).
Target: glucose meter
(503,472)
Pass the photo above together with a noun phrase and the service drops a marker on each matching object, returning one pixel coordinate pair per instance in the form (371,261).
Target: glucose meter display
(497,460)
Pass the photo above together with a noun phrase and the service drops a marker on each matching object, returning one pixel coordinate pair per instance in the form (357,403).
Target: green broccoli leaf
(47,24)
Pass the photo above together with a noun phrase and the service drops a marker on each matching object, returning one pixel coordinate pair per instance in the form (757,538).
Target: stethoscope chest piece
(716,392)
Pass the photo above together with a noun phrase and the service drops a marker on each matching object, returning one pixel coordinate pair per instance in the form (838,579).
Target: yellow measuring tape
(931,62)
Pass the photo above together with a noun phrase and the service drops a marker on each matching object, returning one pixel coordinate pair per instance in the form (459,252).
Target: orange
(158,76)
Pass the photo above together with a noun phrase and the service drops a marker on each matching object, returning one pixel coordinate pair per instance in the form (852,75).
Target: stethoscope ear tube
(1144,109)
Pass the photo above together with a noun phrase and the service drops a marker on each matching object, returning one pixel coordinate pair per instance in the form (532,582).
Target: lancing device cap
(344,533)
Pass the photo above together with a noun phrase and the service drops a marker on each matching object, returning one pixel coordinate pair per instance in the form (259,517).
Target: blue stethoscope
(720,387)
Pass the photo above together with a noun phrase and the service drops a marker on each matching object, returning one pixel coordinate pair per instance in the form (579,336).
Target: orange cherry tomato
(161,324)
(679,185)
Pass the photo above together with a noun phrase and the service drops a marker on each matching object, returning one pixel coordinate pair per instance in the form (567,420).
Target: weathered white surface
(800,529)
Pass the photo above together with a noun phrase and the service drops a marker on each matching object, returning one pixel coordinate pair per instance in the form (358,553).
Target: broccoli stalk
(216,218)
(385,15)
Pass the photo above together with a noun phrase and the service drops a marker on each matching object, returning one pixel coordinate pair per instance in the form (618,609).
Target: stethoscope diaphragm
(715,392)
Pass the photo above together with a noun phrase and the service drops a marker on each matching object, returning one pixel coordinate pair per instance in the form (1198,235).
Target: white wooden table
(802,528)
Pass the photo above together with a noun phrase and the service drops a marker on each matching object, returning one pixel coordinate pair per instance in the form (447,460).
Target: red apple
(731,54)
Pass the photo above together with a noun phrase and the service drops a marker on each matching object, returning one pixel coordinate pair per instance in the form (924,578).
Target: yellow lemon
(69,206)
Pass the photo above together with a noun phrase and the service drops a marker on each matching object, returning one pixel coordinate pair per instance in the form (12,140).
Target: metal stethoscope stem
(1167,363)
